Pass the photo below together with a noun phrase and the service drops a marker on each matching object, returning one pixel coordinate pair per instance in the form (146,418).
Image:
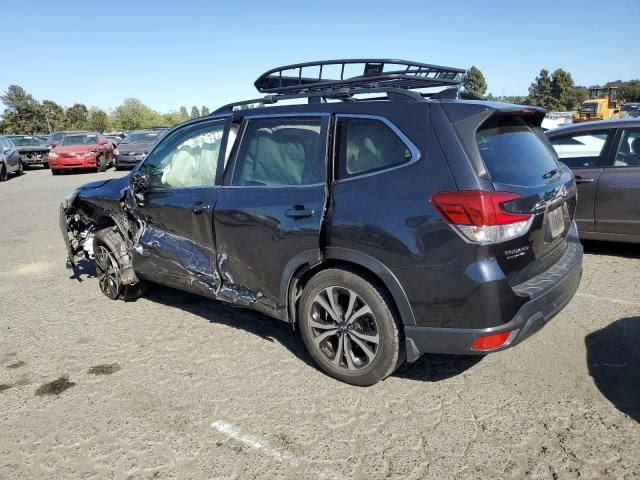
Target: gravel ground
(177,386)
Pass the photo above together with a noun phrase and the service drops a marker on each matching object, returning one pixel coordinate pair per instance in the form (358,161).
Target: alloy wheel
(344,328)
(108,272)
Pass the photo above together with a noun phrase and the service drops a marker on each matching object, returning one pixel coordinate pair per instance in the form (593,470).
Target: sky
(173,53)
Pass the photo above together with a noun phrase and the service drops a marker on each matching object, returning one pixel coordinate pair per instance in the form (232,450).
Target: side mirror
(53,145)
(140,183)
(6,149)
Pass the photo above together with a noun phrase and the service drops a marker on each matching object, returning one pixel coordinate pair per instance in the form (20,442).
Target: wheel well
(302,276)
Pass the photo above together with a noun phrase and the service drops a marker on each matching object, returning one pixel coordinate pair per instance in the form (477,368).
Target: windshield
(141,137)
(26,141)
(78,140)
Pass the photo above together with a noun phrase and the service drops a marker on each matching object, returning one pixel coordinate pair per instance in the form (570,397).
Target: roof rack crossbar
(289,79)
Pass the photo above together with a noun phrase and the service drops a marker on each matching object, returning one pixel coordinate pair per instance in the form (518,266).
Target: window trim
(233,159)
(416,154)
(201,123)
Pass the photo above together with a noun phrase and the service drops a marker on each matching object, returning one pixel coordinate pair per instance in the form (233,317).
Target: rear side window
(368,145)
(279,152)
(512,153)
(581,150)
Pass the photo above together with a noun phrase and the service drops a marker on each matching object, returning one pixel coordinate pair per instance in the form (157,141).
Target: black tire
(45,165)
(55,172)
(102,163)
(357,358)
(20,170)
(3,173)
(108,250)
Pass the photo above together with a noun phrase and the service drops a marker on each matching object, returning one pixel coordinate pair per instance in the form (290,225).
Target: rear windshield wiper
(551,174)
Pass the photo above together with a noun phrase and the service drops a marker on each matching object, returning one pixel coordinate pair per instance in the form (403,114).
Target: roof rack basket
(376,73)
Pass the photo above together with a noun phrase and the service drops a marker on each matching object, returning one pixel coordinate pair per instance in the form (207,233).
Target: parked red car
(82,150)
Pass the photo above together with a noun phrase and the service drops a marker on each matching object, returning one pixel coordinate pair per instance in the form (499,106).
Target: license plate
(556,222)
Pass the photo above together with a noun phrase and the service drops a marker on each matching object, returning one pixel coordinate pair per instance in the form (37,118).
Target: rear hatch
(519,159)
(521,198)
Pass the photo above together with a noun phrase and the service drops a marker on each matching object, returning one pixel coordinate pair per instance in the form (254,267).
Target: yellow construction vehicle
(602,105)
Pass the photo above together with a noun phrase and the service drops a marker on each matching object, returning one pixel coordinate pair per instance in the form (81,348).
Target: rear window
(512,153)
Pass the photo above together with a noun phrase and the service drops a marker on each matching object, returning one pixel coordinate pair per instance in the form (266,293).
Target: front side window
(278,152)
(187,158)
(581,150)
(368,145)
(628,153)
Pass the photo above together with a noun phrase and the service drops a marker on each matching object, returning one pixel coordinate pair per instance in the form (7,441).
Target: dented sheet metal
(147,250)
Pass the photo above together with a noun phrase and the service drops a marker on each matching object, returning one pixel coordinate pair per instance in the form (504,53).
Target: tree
(97,119)
(133,114)
(54,113)
(170,119)
(474,85)
(204,111)
(76,117)
(184,115)
(540,89)
(195,113)
(562,89)
(22,113)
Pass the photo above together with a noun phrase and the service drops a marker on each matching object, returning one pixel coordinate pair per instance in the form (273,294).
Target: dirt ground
(177,386)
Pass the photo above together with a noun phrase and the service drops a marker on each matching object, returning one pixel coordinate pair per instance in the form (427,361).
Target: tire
(3,173)
(107,253)
(346,349)
(102,163)
(20,170)
(45,165)
(55,172)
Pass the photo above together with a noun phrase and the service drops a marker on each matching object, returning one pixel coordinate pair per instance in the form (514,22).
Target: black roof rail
(376,73)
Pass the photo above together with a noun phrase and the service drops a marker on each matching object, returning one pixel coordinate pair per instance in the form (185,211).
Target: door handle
(580,179)
(199,207)
(298,211)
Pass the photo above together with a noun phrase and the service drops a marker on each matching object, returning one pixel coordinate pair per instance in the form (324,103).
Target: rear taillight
(480,216)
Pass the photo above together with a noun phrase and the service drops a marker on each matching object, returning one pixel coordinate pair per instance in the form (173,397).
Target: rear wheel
(102,163)
(349,327)
(107,253)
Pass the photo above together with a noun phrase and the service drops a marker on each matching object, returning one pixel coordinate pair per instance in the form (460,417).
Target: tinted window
(26,141)
(280,152)
(187,158)
(368,145)
(580,150)
(141,137)
(513,153)
(628,153)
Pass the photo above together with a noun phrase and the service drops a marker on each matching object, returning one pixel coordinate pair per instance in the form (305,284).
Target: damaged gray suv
(382,221)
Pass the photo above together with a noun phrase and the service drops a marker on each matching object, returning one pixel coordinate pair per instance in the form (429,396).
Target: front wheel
(102,163)
(349,327)
(107,253)
(20,170)
(55,171)
(45,165)
(3,173)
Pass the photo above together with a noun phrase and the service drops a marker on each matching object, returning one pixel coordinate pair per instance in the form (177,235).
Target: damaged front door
(271,206)
(176,245)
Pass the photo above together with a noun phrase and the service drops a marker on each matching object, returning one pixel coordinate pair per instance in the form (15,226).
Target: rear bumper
(547,294)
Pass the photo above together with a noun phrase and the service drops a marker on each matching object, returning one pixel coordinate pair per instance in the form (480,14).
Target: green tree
(184,115)
(540,89)
(22,113)
(54,113)
(98,119)
(76,117)
(562,89)
(204,111)
(132,114)
(474,85)
(195,113)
